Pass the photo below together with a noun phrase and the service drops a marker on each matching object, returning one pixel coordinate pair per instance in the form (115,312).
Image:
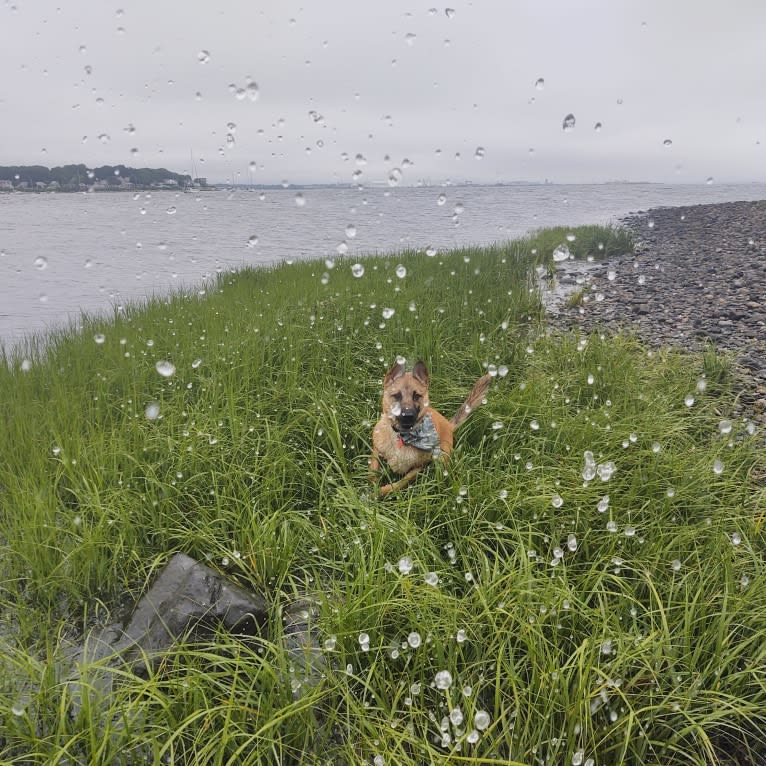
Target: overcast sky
(416,86)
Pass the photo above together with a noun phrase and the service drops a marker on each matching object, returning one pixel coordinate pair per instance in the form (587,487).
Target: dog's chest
(400,457)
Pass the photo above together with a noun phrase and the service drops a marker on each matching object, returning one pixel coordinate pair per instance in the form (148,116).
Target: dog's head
(405,395)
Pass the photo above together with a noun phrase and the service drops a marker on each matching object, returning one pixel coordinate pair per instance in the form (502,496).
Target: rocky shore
(697,276)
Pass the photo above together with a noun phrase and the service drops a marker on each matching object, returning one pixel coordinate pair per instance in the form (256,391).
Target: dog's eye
(398,396)
(417,397)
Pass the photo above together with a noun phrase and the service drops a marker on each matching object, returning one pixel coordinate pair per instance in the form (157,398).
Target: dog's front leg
(395,486)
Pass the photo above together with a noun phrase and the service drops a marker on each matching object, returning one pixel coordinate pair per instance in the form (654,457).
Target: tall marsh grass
(584,585)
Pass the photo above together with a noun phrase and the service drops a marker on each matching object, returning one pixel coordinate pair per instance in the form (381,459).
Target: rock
(187,600)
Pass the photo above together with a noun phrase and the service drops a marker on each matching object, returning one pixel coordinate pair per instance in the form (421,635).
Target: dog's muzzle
(407,418)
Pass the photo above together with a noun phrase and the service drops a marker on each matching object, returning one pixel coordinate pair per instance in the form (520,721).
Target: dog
(410,433)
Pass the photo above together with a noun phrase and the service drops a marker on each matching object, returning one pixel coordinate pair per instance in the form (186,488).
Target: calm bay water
(65,253)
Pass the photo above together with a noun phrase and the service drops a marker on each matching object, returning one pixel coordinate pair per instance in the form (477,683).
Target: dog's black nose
(407,417)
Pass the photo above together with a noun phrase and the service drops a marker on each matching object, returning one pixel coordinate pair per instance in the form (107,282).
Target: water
(61,254)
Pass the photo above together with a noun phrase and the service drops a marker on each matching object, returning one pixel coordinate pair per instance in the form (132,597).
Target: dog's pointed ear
(395,372)
(420,371)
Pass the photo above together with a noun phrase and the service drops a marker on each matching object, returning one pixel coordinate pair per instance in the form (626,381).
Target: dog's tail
(474,400)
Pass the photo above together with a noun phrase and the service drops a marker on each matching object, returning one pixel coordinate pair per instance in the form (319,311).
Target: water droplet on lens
(165,368)
(597,127)
(405,564)
(443,679)
(561,253)
(441,199)
(388,313)
(689,400)
(539,83)
(481,720)
(41,262)
(557,501)
(357,270)
(718,467)
(351,231)
(667,142)
(709,181)
(152,411)
(203,57)
(413,639)
(394,177)
(300,200)
(534,425)
(736,538)
(577,758)
(171,210)
(252,240)
(479,153)
(431,578)
(401,271)
(725,426)
(568,123)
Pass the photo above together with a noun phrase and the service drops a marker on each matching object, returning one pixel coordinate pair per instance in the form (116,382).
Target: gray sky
(393,81)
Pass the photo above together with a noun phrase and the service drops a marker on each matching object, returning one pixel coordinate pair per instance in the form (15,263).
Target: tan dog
(410,433)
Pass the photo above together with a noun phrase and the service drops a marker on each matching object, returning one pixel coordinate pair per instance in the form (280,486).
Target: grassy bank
(573,627)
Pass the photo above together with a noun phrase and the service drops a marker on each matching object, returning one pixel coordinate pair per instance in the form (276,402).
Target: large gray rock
(187,600)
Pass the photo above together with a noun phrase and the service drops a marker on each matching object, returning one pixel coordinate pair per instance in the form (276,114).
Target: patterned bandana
(424,437)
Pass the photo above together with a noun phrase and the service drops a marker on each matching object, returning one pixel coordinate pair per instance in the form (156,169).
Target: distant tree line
(77,176)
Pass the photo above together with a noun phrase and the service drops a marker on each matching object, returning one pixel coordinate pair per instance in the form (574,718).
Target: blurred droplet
(165,368)
(252,240)
(401,271)
(351,231)
(597,127)
(717,467)
(300,200)
(357,270)
(561,253)
(568,123)
(443,679)
(413,639)
(405,565)
(152,411)
(481,719)
(479,153)
(667,142)
(171,210)
(99,338)
(539,83)
(394,177)
(41,263)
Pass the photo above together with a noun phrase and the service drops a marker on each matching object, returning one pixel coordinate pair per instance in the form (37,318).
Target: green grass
(642,645)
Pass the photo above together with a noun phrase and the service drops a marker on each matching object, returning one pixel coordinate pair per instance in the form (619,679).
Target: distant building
(200,182)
